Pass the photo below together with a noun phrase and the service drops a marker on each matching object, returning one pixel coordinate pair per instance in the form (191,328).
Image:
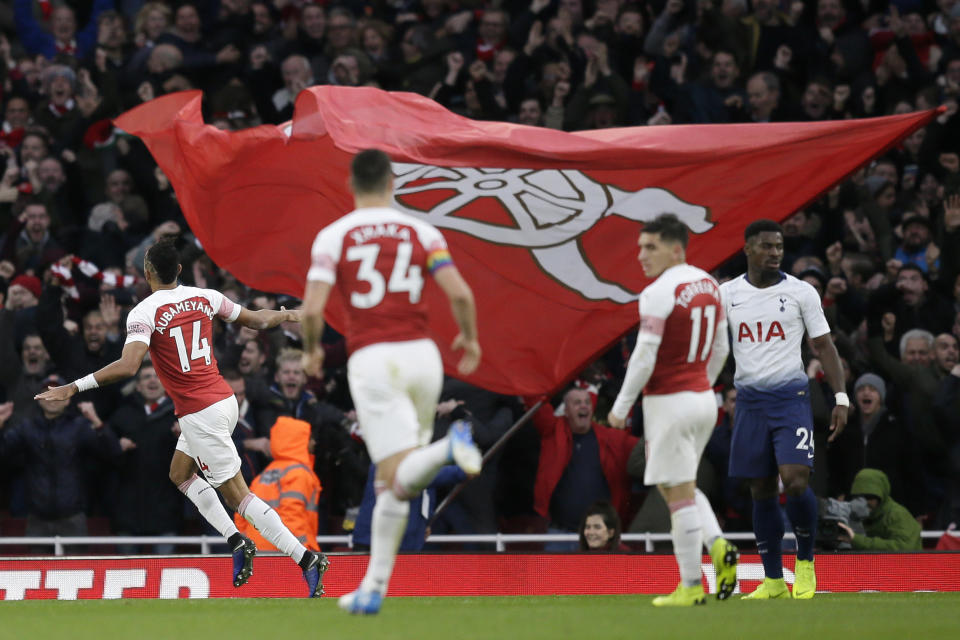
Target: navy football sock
(802,511)
(768,527)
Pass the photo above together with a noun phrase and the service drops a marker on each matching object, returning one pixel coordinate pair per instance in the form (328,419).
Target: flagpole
(492,451)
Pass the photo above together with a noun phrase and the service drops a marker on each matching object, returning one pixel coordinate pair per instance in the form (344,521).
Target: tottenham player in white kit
(175,324)
(681,348)
(376,257)
(768,312)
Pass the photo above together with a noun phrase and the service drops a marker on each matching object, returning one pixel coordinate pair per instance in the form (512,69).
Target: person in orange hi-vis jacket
(288,484)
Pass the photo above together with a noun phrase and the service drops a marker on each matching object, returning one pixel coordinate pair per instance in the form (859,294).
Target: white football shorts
(677,427)
(205,437)
(395,388)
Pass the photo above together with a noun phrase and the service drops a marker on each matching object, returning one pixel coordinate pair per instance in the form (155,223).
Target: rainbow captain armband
(437,259)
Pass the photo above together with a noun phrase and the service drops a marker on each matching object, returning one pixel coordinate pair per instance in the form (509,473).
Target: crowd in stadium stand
(80,202)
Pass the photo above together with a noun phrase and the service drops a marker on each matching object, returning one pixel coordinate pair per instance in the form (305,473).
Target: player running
(175,324)
(768,312)
(681,349)
(376,257)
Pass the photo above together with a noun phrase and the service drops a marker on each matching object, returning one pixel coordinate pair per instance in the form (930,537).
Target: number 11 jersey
(682,307)
(378,257)
(177,324)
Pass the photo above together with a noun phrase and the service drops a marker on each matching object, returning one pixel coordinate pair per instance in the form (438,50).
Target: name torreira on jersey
(767,326)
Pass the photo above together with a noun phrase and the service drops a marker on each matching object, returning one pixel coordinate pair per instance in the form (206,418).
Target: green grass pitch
(847,616)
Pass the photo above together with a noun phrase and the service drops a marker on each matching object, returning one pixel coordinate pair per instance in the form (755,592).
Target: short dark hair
(821,80)
(30,201)
(759,226)
(230,373)
(370,171)
(669,227)
(421,36)
(860,265)
(728,51)
(770,80)
(164,259)
(911,266)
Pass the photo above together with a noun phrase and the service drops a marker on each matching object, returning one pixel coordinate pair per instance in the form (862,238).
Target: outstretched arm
(465,313)
(124,367)
(267,318)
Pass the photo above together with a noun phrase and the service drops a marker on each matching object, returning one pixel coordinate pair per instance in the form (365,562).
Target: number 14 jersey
(177,324)
(378,257)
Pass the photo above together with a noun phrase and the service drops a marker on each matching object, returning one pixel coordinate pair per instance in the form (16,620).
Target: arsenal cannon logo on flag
(542,223)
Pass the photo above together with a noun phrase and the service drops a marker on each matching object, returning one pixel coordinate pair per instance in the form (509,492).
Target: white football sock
(708,520)
(420,467)
(687,536)
(268,523)
(389,522)
(208,504)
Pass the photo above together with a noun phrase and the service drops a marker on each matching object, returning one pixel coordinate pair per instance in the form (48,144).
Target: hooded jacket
(288,484)
(889,526)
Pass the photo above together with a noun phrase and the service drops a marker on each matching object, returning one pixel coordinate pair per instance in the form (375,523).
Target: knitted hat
(872,380)
(30,283)
(59,71)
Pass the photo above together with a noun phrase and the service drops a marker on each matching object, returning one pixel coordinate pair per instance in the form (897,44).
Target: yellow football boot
(805,580)
(682,597)
(725,557)
(769,589)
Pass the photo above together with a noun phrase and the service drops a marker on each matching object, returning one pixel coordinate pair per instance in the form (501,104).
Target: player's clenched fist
(313,362)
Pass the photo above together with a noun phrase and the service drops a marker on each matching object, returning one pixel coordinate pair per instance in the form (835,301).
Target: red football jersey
(178,326)
(683,307)
(378,258)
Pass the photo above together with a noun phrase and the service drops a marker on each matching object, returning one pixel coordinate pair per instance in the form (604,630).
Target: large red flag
(542,223)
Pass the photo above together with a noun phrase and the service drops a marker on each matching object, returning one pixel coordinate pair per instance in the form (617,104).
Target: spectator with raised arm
(63,37)
(581,461)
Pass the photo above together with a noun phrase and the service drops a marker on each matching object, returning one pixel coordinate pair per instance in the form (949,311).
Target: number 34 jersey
(378,258)
(177,324)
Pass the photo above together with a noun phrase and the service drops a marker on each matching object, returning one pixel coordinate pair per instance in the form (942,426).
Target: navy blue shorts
(771,433)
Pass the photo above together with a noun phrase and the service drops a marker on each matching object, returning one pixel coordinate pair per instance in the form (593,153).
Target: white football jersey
(767,327)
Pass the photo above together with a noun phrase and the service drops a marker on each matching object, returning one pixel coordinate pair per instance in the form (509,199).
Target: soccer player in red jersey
(174,323)
(681,348)
(377,258)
